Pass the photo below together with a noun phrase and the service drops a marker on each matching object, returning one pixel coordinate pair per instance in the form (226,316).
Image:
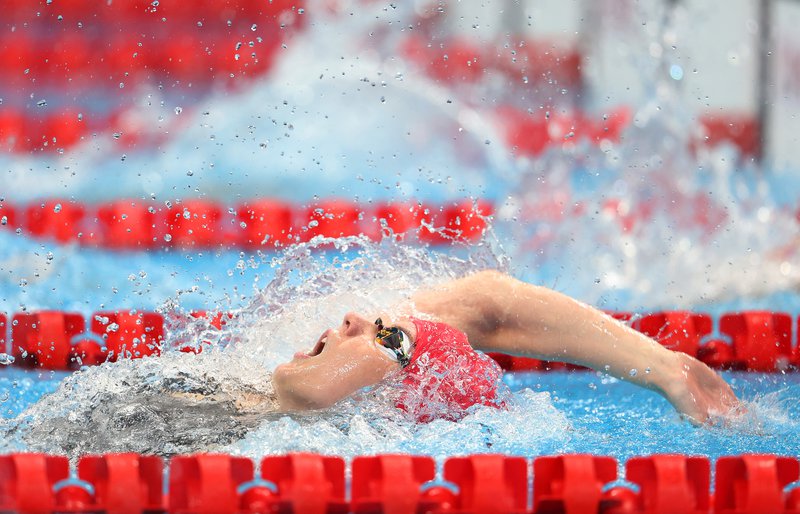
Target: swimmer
(437,332)
(426,358)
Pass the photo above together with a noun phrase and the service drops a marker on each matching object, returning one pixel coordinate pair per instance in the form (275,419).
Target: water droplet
(253,27)
(57,208)
(6,359)
(676,72)
(42,103)
(112,327)
(313,223)
(4,220)
(167,238)
(189,173)
(178,110)
(633,373)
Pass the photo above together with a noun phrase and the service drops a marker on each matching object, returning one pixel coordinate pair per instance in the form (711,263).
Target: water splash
(181,402)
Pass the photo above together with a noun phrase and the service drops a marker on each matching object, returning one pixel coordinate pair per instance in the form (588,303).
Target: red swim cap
(446,376)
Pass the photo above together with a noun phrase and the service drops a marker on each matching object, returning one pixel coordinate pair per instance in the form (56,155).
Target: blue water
(603,416)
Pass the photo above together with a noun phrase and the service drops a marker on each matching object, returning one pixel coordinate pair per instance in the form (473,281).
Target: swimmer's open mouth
(320,345)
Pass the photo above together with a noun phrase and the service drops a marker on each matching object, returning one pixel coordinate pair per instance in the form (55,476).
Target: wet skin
(344,360)
(501,314)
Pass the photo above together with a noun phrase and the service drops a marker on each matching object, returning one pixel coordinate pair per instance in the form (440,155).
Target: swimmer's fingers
(699,393)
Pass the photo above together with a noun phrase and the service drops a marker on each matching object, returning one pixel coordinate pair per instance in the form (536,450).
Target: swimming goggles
(394,342)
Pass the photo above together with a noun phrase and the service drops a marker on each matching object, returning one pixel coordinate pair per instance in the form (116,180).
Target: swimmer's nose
(355,324)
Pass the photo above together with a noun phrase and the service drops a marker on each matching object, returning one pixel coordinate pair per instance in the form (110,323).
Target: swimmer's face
(343,360)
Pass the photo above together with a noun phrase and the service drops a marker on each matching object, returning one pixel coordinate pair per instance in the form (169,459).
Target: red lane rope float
(73,48)
(311,484)
(264,223)
(197,44)
(752,340)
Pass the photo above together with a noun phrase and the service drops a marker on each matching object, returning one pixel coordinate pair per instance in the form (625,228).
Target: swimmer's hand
(699,393)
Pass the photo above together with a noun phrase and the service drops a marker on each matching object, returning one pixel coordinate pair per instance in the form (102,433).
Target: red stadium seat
(762,340)
(124,483)
(27,480)
(43,339)
(753,483)
(489,483)
(308,483)
(207,483)
(389,483)
(129,333)
(570,484)
(671,484)
(679,331)
(267,223)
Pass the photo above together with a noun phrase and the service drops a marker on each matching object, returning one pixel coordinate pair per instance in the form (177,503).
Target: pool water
(577,412)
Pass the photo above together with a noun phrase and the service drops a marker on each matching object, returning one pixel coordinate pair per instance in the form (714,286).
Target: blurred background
(605,140)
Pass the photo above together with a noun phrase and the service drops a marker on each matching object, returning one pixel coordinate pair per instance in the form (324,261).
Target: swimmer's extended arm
(502,314)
